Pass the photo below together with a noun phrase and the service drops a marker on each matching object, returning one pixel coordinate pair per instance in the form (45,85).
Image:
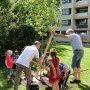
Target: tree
(39,14)
(21,37)
(22,20)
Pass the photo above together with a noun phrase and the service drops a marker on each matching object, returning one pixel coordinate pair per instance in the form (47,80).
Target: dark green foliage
(23,36)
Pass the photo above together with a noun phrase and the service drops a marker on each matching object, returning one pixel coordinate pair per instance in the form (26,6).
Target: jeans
(27,71)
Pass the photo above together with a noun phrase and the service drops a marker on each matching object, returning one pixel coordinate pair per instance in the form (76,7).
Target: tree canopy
(36,14)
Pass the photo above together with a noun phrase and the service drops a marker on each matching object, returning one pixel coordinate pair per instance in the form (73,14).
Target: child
(65,72)
(15,57)
(54,73)
(9,63)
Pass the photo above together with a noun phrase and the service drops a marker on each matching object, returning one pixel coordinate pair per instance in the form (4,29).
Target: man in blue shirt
(78,51)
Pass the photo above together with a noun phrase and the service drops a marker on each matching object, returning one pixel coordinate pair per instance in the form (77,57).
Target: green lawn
(65,54)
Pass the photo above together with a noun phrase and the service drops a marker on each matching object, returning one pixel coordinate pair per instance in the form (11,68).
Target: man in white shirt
(78,52)
(23,63)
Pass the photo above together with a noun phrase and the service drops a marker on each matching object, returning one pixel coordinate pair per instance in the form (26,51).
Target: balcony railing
(82,3)
(82,26)
(81,15)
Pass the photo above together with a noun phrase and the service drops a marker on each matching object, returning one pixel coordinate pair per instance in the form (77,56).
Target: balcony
(83,3)
(80,27)
(81,15)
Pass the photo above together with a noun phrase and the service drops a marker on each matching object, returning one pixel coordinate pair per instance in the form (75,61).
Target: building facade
(75,15)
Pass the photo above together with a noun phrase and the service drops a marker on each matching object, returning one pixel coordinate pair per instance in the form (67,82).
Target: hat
(69,30)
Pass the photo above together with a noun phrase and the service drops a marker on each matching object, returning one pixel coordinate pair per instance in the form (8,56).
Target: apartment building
(75,15)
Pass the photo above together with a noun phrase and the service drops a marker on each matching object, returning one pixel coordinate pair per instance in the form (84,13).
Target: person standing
(9,63)
(23,63)
(78,52)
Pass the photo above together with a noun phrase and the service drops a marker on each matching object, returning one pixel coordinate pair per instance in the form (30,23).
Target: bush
(23,36)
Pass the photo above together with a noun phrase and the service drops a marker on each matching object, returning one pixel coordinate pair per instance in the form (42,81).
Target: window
(66,11)
(66,1)
(82,10)
(83,23)
(66,22)
(78,0)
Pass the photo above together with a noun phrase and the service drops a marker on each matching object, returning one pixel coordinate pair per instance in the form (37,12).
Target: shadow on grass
(83,86)
(5,85)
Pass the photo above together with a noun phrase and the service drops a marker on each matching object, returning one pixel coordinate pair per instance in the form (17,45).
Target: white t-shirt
(75,41)
(27,55)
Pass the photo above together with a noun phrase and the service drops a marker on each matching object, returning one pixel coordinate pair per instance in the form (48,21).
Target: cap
(69,30)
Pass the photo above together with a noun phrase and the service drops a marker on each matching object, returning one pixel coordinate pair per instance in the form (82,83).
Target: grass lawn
(65,54)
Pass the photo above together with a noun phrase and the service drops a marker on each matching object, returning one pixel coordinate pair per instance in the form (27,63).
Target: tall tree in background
(39,14)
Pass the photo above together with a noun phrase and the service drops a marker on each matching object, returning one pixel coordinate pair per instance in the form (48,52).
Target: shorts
(76,60)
